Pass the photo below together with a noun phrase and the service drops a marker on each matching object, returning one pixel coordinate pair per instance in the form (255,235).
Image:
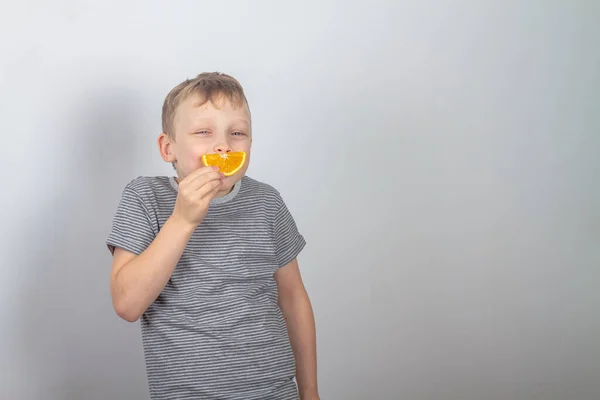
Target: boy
(208,262)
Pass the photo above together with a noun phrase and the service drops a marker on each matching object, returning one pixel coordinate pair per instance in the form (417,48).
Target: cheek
(246,145)
(190,160)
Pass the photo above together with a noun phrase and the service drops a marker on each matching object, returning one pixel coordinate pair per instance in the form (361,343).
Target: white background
(441,159)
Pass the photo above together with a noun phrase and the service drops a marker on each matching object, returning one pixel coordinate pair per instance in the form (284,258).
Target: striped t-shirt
(216,330)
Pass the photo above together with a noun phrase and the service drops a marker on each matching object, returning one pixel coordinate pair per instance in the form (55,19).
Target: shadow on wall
(74,346)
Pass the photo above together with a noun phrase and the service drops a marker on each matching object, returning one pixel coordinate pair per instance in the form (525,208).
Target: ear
(165,146)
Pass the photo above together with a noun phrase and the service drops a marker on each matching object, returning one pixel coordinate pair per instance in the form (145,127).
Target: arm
(136,281)
(297,311)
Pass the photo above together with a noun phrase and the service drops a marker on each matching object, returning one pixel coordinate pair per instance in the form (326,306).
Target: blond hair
(208,86)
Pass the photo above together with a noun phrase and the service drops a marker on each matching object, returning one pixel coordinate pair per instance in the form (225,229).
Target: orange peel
(228,163)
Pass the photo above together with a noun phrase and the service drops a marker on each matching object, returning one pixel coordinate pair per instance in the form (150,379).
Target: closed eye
(237,133)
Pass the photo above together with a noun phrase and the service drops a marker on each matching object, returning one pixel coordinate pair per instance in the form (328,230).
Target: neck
(223,193)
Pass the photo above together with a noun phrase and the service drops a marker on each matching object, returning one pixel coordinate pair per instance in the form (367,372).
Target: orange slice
(228,163)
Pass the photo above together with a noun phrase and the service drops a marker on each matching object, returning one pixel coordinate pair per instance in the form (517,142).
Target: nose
(222,148)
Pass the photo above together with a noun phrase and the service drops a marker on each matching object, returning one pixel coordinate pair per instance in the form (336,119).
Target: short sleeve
(288,240)
(132,229)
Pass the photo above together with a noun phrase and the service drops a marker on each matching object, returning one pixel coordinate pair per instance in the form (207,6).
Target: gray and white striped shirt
(216,330)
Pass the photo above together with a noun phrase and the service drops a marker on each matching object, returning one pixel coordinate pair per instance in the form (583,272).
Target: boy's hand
(195,193)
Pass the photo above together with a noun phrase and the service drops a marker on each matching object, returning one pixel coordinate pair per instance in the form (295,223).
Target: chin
(229,182)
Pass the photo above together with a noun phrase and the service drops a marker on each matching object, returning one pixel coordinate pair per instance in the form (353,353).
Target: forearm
(300,322)
(139,282)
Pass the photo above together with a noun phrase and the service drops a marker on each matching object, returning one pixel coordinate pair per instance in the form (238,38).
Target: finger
(202,180)
(208,191)
(198,173)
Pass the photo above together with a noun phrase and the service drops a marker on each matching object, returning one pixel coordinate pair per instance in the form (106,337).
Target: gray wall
(441,159)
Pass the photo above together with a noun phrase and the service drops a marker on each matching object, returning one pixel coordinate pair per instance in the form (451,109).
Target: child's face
(206,129)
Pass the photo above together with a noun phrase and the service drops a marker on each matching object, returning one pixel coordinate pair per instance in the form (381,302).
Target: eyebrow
(243,120)
(209,119)
(202,122)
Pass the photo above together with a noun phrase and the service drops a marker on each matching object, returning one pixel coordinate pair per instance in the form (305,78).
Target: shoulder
(150,192)
(266,192)
(149,186)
